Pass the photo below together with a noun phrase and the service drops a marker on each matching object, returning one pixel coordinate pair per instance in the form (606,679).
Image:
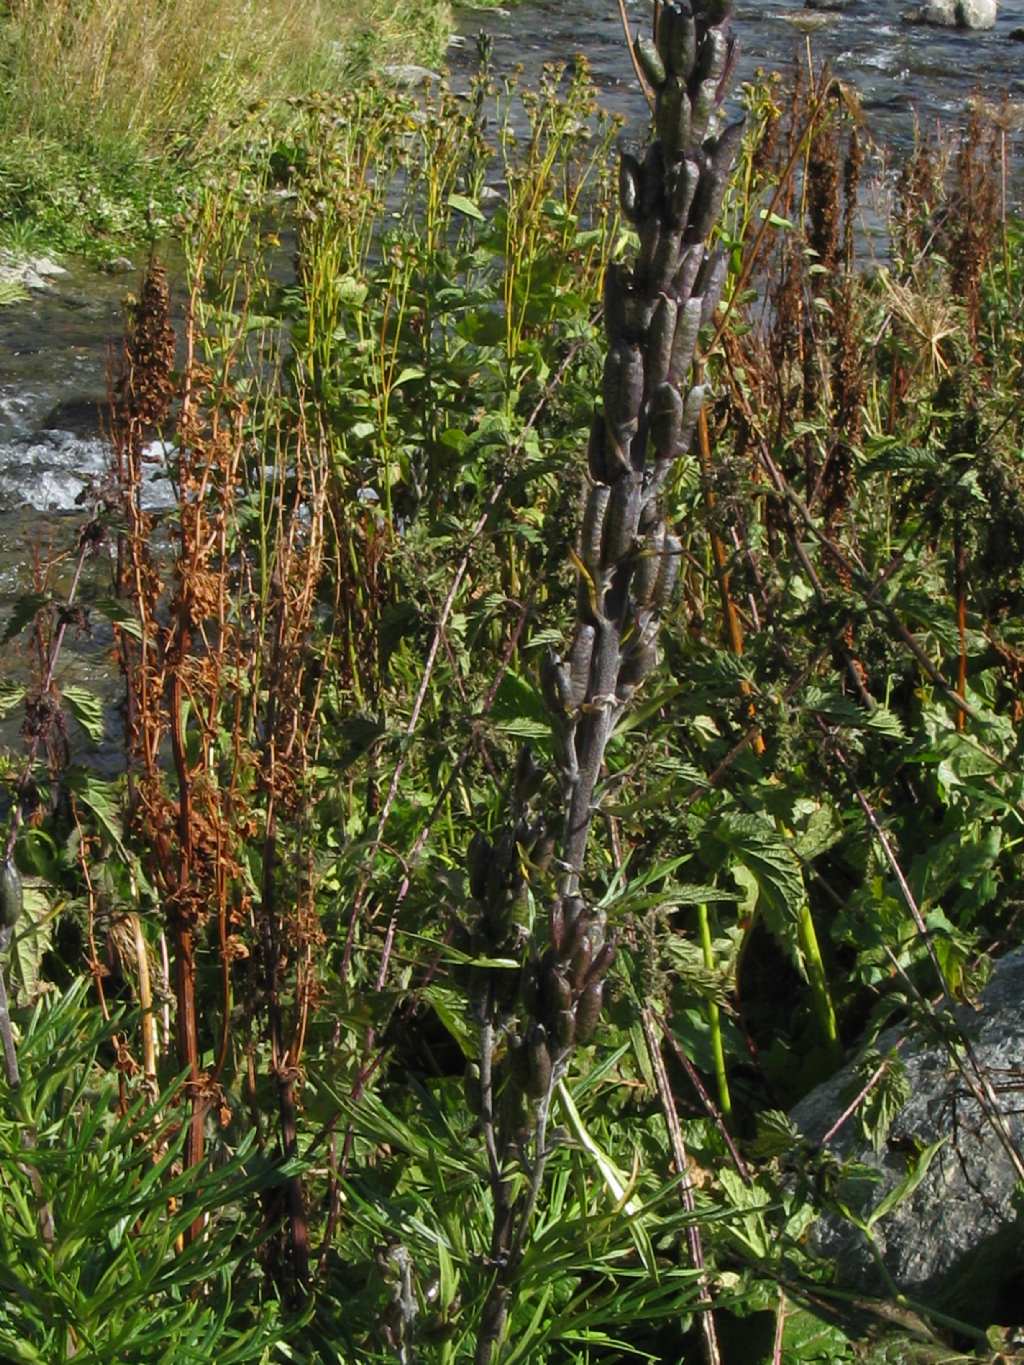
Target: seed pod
(666,261)
(12,896)
(666,415)
(528,776)
(623,387)
(621,520)
(554,682)
(471,1088)
(635,666)
(689,269)
(682,185)
(703,106)
(557,991)
(579,664)
(478,862)
(539,1059)
(618,283)
(588,1011)
(712,55)
(685,341)
(691,411)
(581,960)
(542,852)
(556,926)
(565,1029)
(592,530)
(723,151)
(645,575)
(707,203)
(668,572)
(672,118)
(652,180)
(649,59)
(575,917)
(629,185)
(677,39)
(659,349)
(602,962)
(711,283)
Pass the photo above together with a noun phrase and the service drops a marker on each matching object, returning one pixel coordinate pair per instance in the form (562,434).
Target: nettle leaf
(26,609)
(11,694)
(87,709)
(752,843)
(29,945)
(118,614)
(884,1100)
(777,1134)
(841,710)
(100,798)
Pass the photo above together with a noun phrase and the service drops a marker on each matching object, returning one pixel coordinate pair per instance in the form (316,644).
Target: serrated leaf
(31,941)
(99,797)
(118,614)
(11,694)
(87,709)
(755,845)
(25,609)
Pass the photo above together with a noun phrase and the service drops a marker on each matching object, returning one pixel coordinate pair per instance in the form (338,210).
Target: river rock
(956,1240)
(31,272)
(410,77)
(973,14)
(829,4)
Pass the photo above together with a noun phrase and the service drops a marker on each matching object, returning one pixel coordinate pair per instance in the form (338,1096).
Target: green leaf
(26,609)
(31,942)
(11,694)
(119,614)
(756,846)
(100,798)
(461,204)
(916,1171)
(87,709)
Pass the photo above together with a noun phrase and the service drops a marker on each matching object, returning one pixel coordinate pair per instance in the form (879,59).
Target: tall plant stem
(709,1334)
(714,1017)
(821,998)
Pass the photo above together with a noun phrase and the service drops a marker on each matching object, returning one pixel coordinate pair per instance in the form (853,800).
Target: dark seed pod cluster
(562,991)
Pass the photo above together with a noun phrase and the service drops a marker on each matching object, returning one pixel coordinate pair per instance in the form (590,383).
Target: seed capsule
(712,55)
(691,411)
(703,106)
(588,1011)
(672,118)
(12,895)
(666,414)
(556,925)
(579,664)
(635,667)
(539,1059)
(565,1029)
(581,960)
(711,284)
(668,572)
(663,330)
(618,287)
(645,575)
(650,60)
(684,342)
(519,1059)
(603,961)
(478,859)
(629,185)
(557,991)
(621,519)
(723,151)
(623,387)
(682,185)
(677,39)
(689,269)
(528,776)
(529,988)
(592,530)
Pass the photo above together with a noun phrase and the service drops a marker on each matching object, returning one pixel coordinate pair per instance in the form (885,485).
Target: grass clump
(111,109)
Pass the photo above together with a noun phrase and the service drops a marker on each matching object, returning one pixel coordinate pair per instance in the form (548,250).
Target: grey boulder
(972,14)
(956,1239)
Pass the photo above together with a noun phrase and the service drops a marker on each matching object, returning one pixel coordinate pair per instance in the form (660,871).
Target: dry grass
(149,70)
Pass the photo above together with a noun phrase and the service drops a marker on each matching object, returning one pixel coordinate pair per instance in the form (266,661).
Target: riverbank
(111,115)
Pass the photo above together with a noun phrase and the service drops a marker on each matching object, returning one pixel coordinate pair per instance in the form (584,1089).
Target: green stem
(823,1009)
(714,1018)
